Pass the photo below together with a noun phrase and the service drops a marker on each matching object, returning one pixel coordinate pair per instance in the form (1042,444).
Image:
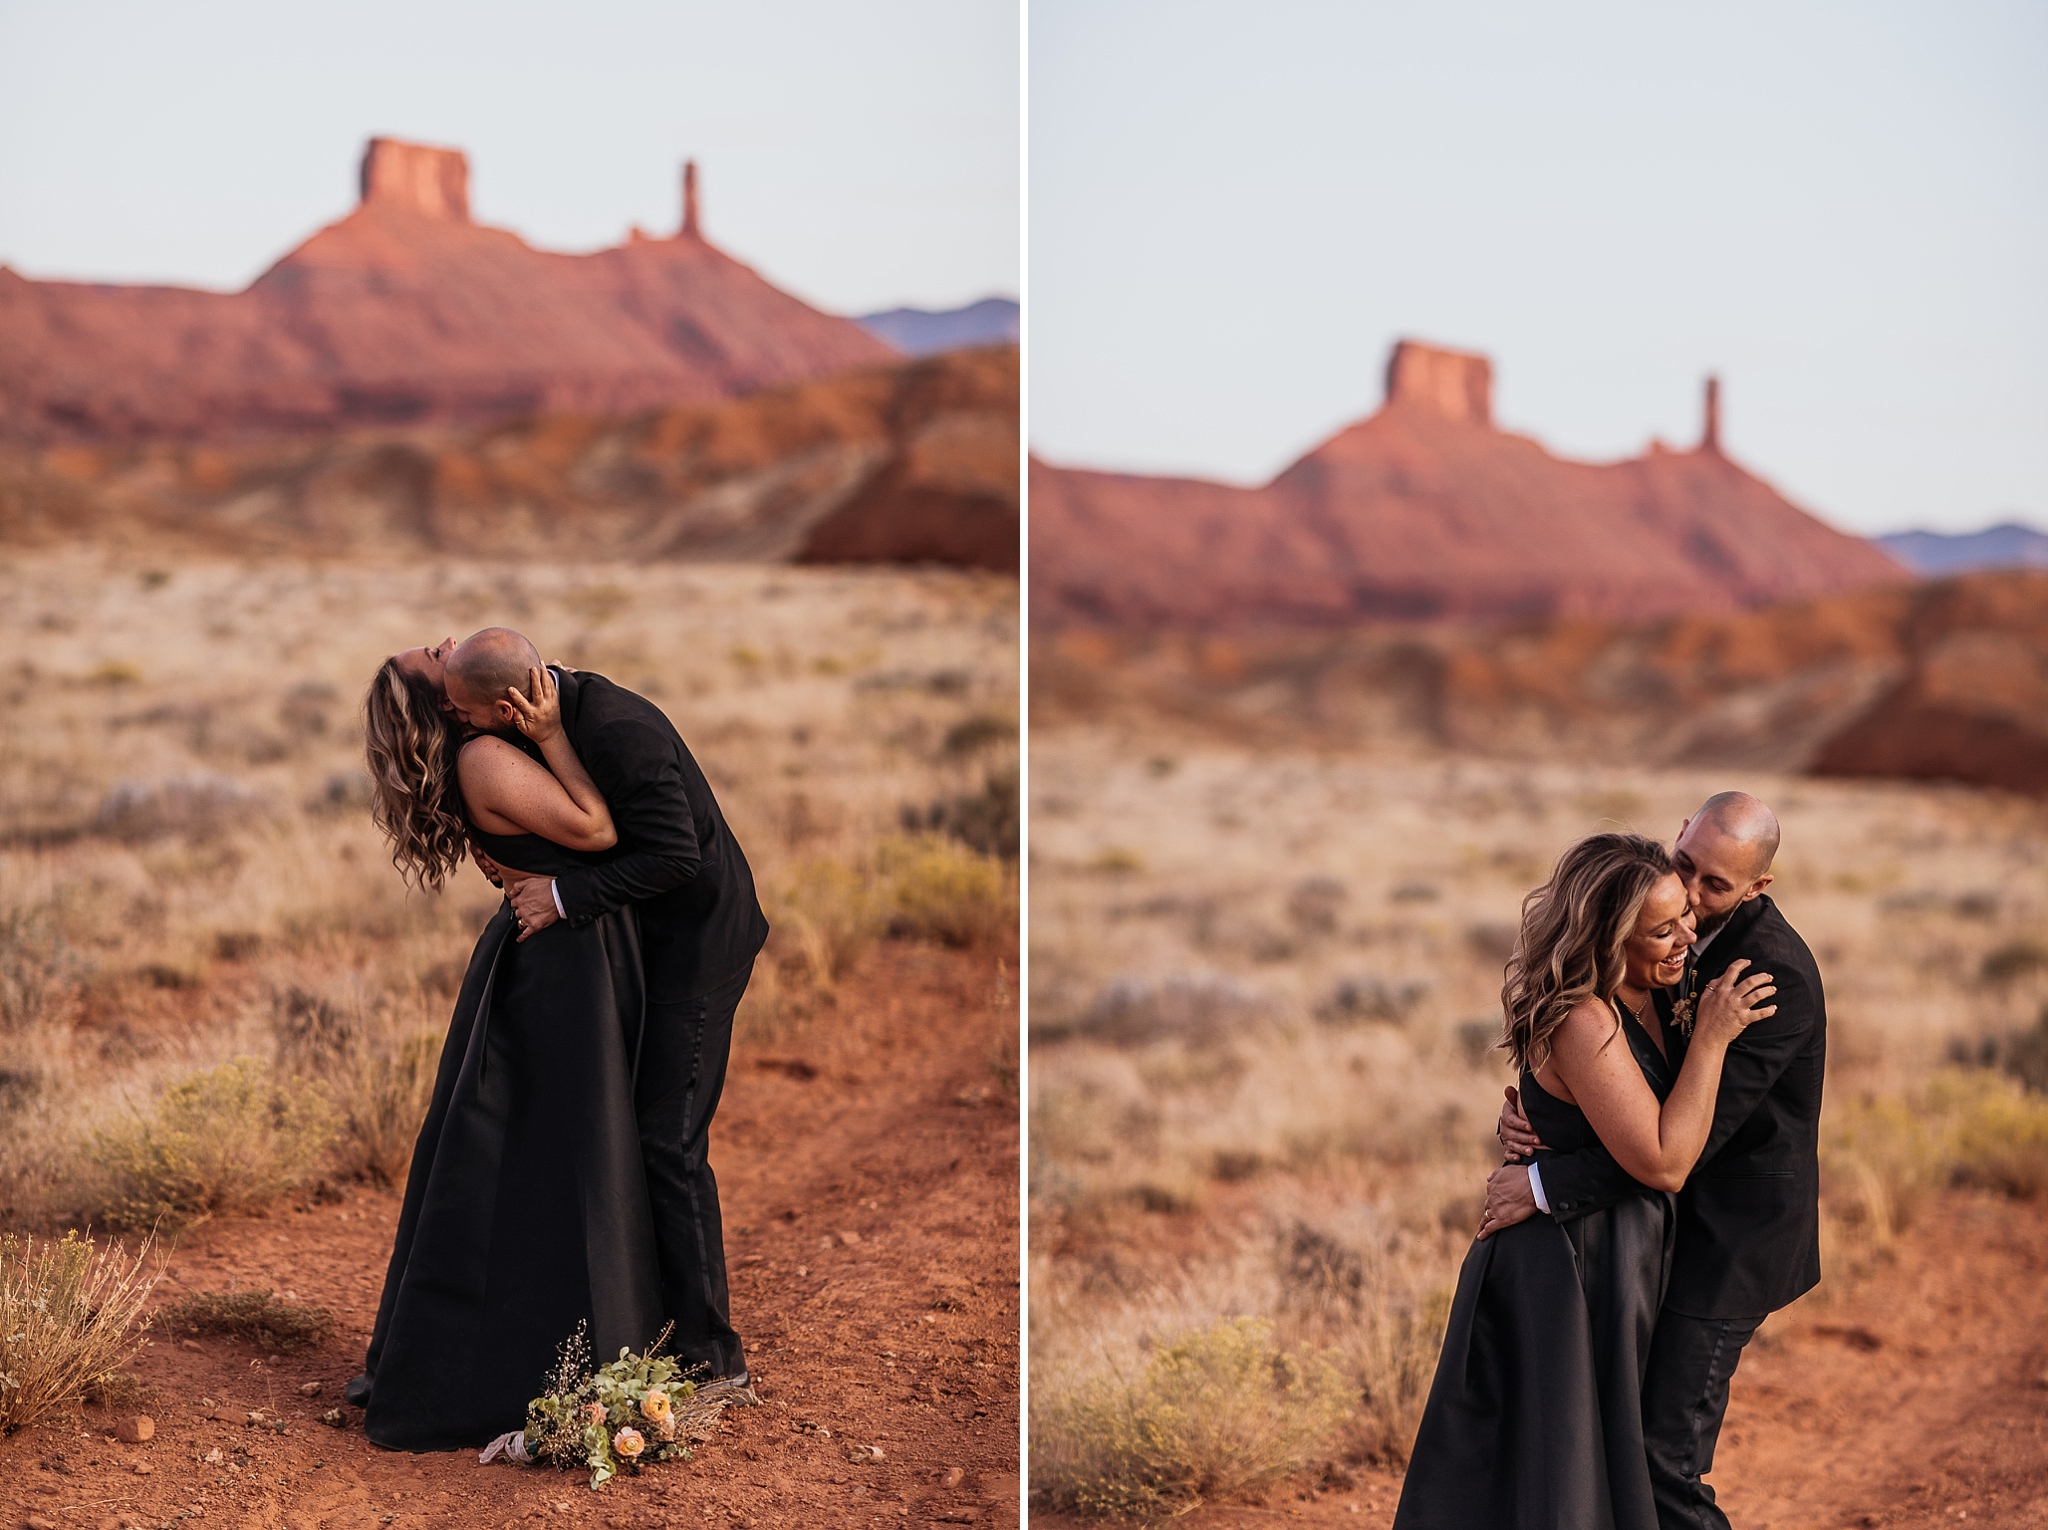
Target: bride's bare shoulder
(1589,1023)
(487,757)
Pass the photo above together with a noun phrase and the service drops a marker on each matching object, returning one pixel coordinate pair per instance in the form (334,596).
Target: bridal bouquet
(621,1416)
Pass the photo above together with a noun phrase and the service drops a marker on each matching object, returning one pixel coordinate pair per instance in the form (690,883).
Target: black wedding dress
(526,1209)
(1534,1421)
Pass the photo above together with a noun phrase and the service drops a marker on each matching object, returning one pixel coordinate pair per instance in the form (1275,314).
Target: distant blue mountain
(920,332)
(1935,553)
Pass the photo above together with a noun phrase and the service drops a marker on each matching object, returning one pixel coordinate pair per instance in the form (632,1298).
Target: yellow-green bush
(1998,1132)
(1220,1413)
(70,1317)
(1879,1157)
(227,1139)
(938,889)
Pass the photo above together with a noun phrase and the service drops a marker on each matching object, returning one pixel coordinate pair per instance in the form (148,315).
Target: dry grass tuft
(375,1062)
(1881,1156)
(256,1315)
(230,1138)
(71,1315)
(829,912)
(1223,1412)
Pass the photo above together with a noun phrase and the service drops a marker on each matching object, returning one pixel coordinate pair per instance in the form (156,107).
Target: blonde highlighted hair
(414,796)
(1575,929)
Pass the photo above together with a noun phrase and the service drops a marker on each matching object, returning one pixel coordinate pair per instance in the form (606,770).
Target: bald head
(483,667)
(1724,853)
(1745,820)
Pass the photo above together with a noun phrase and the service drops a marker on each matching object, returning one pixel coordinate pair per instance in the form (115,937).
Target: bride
(1535,1416)
(526,1209)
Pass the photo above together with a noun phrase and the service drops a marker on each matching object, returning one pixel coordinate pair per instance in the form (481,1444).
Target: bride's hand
(541,718)
(1732,1003)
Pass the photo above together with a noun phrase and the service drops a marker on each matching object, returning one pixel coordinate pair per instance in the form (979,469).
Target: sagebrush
(71,1317)
(226,1139)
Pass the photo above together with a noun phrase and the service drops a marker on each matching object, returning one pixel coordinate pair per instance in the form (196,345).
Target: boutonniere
(1681,1016)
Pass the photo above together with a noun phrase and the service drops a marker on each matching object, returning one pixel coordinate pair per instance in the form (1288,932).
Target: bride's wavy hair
(1575,928)
(414,796)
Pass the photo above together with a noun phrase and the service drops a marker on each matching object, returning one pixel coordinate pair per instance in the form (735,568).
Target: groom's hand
(1508,1199)
(533,904)
(1514,1131)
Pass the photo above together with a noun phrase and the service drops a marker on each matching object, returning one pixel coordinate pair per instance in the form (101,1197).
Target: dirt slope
(868,1165)
(1936,681)
(912,462)
(1917,1396)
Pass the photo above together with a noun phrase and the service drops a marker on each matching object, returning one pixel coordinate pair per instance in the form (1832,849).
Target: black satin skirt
(1535,1420)
(526,1209)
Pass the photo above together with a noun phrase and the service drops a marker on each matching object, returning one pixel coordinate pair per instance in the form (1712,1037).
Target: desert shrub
(988,819)
(1998,1134)
(200,803)
(257,1315)
(37,966)
(938,889)
(2014,959)
(1200,1008)
(1879,1158)
(71,1315)
(1220,1413)
(375,1067)
(1377,1307)
(2025,1054)
(830,911)
(227,1139)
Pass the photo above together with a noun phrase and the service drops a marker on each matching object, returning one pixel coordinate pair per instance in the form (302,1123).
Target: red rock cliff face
(1426,511)
(405,312)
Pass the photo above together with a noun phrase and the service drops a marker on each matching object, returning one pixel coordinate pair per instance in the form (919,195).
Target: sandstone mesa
(1427,511)
(406,312)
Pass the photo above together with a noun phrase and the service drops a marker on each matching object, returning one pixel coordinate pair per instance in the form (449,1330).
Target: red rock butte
(1428,511)
(408,312)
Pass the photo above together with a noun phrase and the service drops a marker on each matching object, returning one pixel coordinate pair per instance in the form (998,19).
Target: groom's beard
(1714,926)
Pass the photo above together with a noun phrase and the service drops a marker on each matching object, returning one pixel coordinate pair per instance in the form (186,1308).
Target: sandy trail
(868,1167)
(1914,1396)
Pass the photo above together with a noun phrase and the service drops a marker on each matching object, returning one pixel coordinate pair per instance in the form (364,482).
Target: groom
(1749,1217)
(701,927)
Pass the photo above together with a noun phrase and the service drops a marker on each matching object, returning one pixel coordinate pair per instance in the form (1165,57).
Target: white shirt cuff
(556,888)
(1536,1189)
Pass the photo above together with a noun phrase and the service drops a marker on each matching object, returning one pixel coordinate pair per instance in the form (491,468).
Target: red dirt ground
(1914,1396)
(868,1164)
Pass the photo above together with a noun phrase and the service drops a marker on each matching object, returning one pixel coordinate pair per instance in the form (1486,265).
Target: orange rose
(655,1406)
(629,1442)
(593,1413)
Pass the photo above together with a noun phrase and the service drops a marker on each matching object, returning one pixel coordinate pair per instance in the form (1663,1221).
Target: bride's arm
(506,792)
(1657,1145)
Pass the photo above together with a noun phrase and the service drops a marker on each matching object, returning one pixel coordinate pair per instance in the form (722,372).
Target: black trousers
(683,1056)
(1685,1396)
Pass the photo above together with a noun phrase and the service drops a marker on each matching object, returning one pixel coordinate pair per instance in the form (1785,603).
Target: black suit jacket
(1749,1217)
(676,860)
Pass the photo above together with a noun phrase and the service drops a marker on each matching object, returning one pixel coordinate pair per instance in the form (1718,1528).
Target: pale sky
(1841,208)
(861,155)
